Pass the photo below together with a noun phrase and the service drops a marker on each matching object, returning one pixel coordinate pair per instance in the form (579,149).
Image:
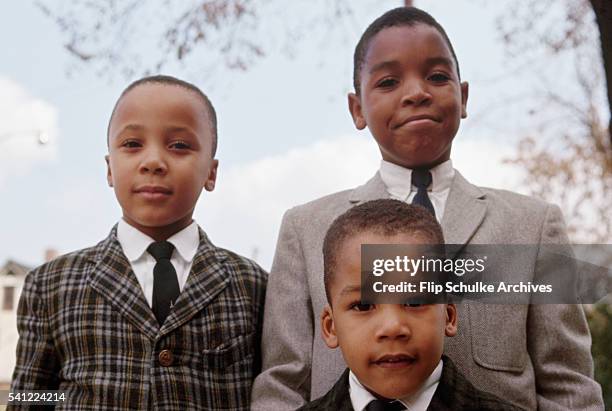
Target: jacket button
(166,358)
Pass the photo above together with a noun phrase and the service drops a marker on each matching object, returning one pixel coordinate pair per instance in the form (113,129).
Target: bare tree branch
(568,160)
(136,37)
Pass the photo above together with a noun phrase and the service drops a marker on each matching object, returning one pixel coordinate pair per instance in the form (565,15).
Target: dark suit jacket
(454,393)
(86,328)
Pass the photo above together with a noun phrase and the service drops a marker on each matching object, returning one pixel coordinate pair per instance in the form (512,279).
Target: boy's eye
(386,83)
(439,77)
(416,304)
(180,145)
(358,306)
(131,144)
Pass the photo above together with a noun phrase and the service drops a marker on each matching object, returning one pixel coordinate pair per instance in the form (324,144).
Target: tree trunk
(603,16)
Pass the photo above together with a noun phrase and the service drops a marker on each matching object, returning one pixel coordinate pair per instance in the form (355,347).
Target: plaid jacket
(86,328)
(454,393)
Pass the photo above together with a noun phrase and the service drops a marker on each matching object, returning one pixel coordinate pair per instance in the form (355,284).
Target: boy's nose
(153,162)
(393,324)
(415,93)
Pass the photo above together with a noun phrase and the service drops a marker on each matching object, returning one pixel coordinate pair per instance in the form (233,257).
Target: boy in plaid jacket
(123,325)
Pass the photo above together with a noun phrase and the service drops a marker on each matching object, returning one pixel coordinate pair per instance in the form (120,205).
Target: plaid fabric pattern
(85,327)
(454,393)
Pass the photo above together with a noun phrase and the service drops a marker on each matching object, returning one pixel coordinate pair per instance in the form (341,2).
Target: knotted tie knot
(161,250)
(381,405)
(421,178)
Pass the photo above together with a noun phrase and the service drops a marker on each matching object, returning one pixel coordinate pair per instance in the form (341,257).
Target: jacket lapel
(465,210)
(208,277)
(339,397)
(112,277)
(371,190)
(451,390)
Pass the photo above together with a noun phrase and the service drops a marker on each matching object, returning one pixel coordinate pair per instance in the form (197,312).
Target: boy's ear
(464,98)
(328,328)
(109,175)
(355,108)
(209,184)
(451,320)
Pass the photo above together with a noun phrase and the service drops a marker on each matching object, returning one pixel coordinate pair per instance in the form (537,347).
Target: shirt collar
(187,241)
(361,397)
(421,399)
(134,242)
(398,179)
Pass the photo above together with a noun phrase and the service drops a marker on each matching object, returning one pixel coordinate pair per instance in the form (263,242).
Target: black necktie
(381,405)
(165,283)
(421,179)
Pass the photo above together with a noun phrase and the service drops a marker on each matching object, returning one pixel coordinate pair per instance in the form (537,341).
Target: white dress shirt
(398,181)
(135,243)
(419,401)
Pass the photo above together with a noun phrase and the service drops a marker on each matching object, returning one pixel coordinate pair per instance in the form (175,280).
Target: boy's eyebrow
(350,289)
(431,61)
(384,65)
(132,127)
(171,129)
(175,129)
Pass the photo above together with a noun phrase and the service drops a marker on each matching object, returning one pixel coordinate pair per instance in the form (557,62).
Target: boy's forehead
(380,237)
(171,101)
(146,94)
(348,260)
(422,41)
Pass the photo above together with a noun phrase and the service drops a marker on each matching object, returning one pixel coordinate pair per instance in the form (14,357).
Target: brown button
(166,358)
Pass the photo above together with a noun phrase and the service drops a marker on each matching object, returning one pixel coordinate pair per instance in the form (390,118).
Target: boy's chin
(161,224)
(417,155)
(418,160)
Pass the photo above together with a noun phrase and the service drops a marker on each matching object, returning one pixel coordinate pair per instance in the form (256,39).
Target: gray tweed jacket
(535,356)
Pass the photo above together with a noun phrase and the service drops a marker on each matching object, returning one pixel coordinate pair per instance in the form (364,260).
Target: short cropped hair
(173,81)
(401,16)
(385,217)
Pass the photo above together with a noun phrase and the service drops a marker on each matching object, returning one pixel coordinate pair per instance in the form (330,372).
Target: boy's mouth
(415,120)
(395,360)
(153,191)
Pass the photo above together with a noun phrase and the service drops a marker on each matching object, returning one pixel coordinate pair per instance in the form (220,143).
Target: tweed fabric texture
(85,328)
(535,356)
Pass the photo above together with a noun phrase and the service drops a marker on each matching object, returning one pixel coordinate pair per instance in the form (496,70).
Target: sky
(285,133)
